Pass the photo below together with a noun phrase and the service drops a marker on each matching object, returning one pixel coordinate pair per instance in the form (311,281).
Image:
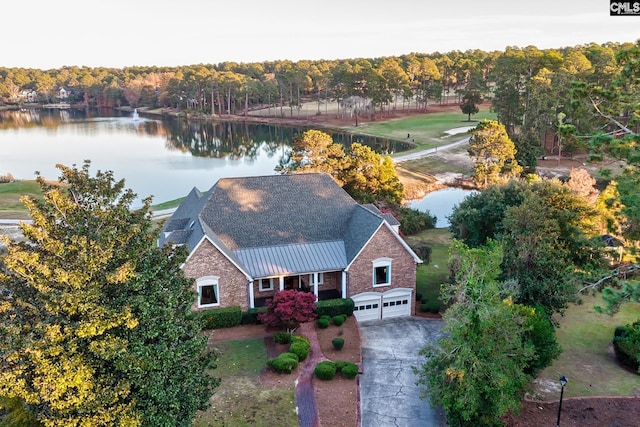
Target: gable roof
(277,224)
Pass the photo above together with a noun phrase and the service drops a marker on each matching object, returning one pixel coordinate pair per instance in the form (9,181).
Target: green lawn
(10,205)
(587,359)
(426,130)
(430,276)
(241,400)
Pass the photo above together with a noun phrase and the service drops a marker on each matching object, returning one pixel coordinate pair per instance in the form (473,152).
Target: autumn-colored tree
(289,308)
(95,325)
(493,153)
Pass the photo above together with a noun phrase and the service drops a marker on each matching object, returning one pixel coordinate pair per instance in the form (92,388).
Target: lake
(441,203)
(162,157)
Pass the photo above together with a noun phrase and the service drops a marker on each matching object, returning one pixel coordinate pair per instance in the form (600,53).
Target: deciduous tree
(288,309)
(94,319)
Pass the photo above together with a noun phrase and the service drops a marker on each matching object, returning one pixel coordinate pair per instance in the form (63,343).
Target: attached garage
(367,306)
(377,305)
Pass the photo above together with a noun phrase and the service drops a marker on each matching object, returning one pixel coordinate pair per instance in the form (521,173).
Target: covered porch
(324,285)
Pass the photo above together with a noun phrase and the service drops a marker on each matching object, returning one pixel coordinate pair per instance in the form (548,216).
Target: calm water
(441,203)
(164,158)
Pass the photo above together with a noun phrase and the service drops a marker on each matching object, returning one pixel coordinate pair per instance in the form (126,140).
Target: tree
(493,153)
(362,172)
(96,326)
(477,371)
(547,232)
(470,101)
(288,309)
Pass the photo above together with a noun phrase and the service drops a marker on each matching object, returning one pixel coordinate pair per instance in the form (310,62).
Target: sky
(47,34)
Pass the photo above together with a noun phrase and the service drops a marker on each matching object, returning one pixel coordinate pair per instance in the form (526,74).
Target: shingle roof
(277,224)
(277,210)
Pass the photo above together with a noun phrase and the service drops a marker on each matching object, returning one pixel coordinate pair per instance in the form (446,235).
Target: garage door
(375,306)
(367,306)
(396,303)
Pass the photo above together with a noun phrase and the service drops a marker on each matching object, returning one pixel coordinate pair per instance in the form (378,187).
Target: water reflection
(199,138)
(156,156)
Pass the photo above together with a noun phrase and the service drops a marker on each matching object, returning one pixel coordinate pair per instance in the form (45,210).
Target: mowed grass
(430,276)
(241,400)
(426,130)
(10,193)
(587,359)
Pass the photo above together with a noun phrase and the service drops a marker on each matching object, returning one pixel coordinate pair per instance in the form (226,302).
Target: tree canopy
(95,322)
(479,370)
(364,174)
(493,153)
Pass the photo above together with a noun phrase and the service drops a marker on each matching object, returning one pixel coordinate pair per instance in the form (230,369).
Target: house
(63,93)
(250,237)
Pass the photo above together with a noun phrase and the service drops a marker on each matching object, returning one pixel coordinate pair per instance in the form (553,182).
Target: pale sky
(49,34)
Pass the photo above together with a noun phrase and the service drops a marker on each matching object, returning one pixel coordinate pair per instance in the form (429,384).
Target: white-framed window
(320,279)
(208,295)
(382,272)
(265,285)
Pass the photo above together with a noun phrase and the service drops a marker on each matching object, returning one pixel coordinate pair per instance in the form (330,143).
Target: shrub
(325,370)
(418,296)
(340,364)
(430,307)
(284,362)
(338,343)
(282,337)
(349,370)
(300,346)
(323,323)
(334,307)
(339,319)
(251,317)
(217,318)
(289,308)
(626,344)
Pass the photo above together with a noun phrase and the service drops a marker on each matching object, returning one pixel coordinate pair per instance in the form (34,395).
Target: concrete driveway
(388,393)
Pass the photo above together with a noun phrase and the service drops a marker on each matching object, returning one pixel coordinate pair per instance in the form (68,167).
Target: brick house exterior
(249,238)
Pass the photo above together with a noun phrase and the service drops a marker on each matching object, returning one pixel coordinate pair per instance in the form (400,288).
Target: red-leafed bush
(288,309)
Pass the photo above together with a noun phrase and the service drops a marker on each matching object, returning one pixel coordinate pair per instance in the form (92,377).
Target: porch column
(344,284)
(281,283)
(315,285)
(251,298)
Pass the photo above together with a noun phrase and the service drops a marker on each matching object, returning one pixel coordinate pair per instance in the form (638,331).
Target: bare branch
(621,271)
(617,123)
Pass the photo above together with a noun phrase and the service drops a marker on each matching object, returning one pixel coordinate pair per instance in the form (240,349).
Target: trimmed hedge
(349,370)
(335,307)
(338,343)
(284,362)
(339,319)
(323,322)
(217,318)
(300,346)
(282,338)
(251,317)
(325,370)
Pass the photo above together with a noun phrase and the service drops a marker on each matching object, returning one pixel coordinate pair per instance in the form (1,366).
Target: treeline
(528,85)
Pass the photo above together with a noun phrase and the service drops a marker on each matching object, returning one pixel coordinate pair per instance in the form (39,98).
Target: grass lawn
(427,130)
(241,400)
(587,359)
(431,276)
(10,205)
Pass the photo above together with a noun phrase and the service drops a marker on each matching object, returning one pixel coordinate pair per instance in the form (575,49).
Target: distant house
(28,95)
(63,93)
(248,238)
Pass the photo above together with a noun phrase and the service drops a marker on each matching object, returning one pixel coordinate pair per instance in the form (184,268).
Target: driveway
(388,392)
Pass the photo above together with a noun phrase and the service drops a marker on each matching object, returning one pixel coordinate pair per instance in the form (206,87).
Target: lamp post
(563,382)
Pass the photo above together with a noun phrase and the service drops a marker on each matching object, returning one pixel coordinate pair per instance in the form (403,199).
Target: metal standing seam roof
(293,259)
